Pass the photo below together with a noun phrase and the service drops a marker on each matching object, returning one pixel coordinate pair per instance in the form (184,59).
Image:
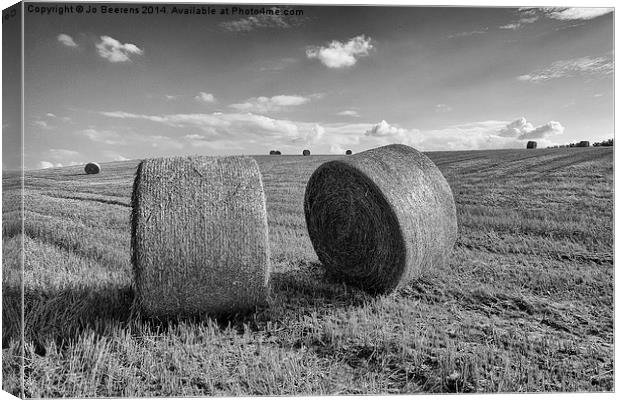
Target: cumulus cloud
(577,13)
(310,134)
(523,130)
(341,55)
(66,40)
(205,97)
(115,51)
(384,129)
(583,66)
(274,19)
(264,104)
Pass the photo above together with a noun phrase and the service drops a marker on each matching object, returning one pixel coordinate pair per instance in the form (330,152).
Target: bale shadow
(310,285)
(62,315)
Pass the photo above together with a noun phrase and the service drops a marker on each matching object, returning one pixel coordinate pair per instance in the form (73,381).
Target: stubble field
(525,303)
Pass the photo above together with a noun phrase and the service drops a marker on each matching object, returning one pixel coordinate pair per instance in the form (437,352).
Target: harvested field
(524,303)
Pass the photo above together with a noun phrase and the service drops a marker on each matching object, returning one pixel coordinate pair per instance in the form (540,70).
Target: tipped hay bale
(531,144)
(306,152)
(92,168)
(381,217)
(348,152)
(199,236)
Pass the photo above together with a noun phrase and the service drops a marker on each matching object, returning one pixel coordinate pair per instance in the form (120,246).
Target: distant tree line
(584,143)
(604,143)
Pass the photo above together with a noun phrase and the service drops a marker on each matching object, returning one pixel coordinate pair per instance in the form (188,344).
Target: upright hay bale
(531,144)
(381,217)
(199,236)
(92,168)
(306,152)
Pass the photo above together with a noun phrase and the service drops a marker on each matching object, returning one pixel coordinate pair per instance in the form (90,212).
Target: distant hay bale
(306,152)
(199,236)
(381,217)
(531,144)
(92,168)
(348,152)
(278,153)
(583,143)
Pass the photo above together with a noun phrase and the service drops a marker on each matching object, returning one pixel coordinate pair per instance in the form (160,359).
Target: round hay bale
(531,145)
(92,168)
(272,152)
(306,152)
(348,152)
(381,217)
(278,153)
(199,239)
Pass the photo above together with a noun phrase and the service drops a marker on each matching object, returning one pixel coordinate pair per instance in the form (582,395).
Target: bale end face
(380,218)
(92,168)
(199,236)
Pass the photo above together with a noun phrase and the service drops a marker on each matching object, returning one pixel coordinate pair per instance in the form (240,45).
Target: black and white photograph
(270,199)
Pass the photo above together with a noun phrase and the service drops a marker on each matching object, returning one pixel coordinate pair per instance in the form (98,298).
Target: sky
(110,87)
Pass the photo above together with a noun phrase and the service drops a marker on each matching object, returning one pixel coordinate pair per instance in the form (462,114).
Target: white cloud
(246,132)
(336,149)
(104,136)
(584,66)
(47,164)
(115,51)
(58,158)
(273,20)
(66,40)
(576,13)
(442,108)
(205,97)
(526,16)
(62,153)
(348,113)
(341,55)
(468,33)
(522,130)
(113,156)
(264,104)
(41,124)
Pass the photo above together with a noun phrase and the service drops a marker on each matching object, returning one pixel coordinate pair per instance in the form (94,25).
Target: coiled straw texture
(199,236)
(380,218)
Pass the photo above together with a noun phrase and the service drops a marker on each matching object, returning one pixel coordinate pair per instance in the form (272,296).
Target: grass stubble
(525,302)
